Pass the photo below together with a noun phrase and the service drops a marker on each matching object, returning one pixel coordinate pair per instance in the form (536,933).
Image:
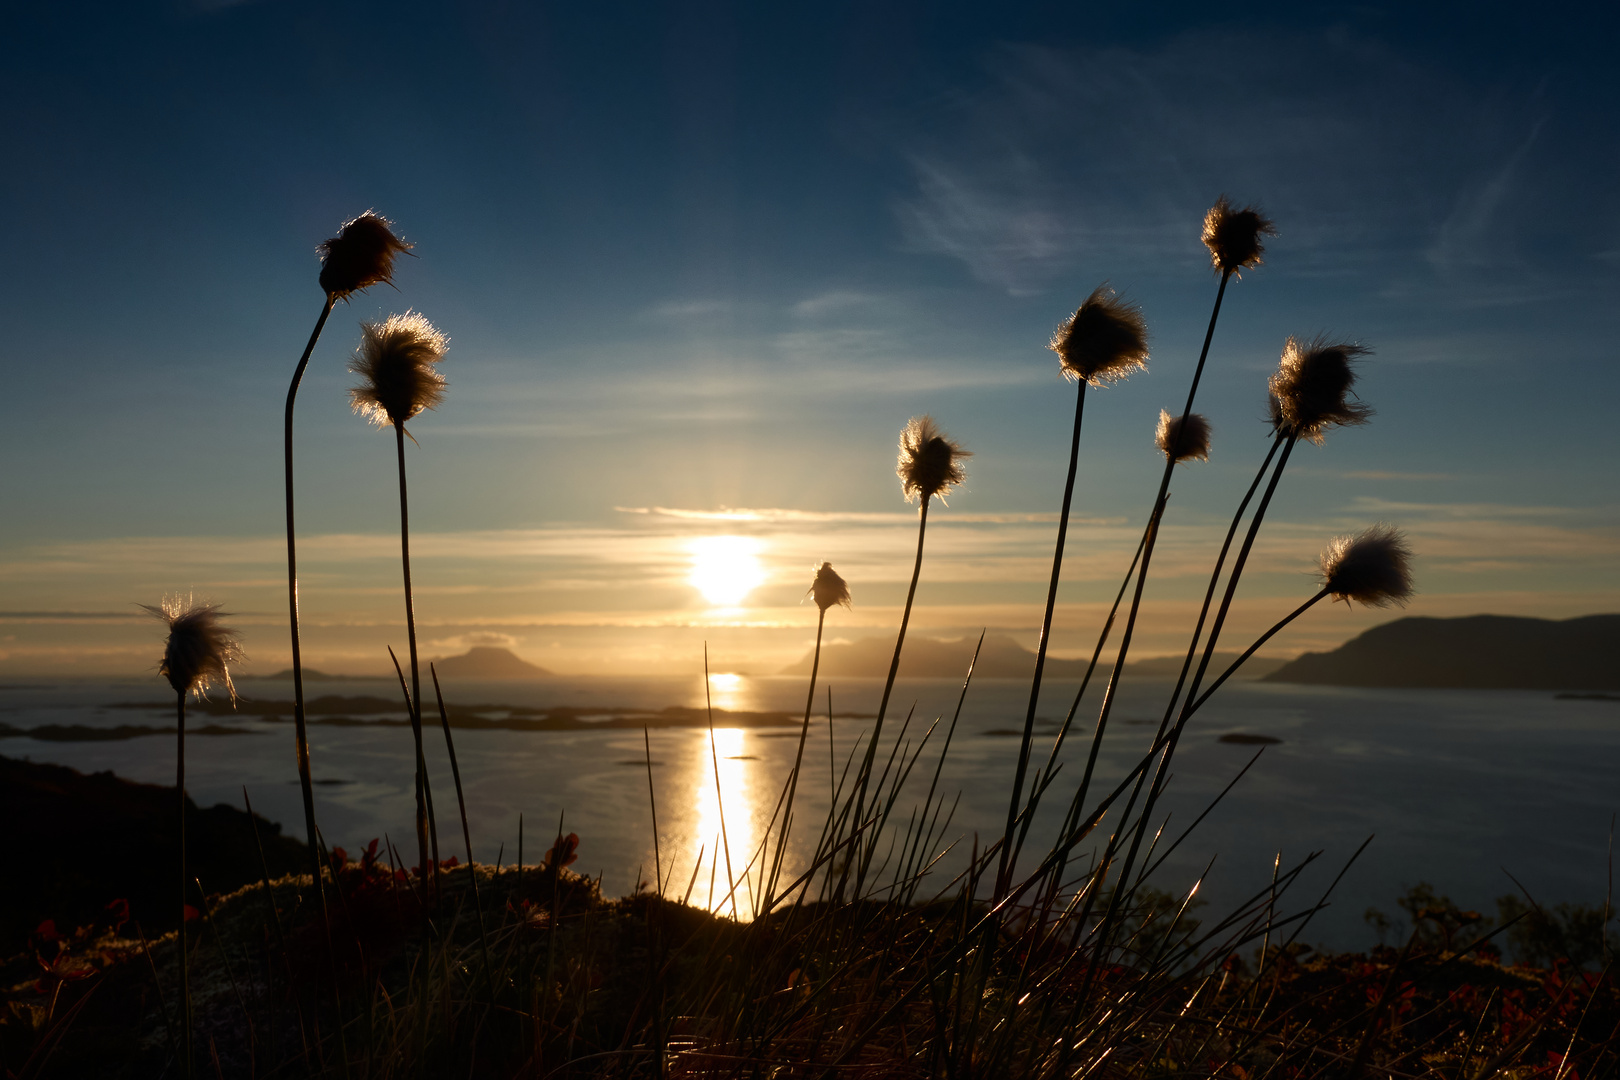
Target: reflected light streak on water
(725,821)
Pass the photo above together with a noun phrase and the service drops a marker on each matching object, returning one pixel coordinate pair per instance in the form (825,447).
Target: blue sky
(704,257)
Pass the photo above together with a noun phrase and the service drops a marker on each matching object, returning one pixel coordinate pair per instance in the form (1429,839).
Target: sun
(725,569)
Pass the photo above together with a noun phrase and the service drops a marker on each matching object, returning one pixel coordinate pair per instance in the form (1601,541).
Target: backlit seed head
(396,363)
(1233,236)
(1183,440)
(930,464)
(1312,387)
(1103,341)
(359,256)
(200,650)
(829,588)
(1371,568)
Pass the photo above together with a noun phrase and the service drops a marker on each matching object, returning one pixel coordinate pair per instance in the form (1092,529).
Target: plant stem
(888,685)
(798,761)
(466,833)
(1040,649)
(180,937)
(300,731)
(1150,537)
(1192,648)
(1163,771)
(422,849)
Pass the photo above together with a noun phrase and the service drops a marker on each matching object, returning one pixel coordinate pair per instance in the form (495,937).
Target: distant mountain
(488,662)
(1001,658)
(1478,652)
(311,675)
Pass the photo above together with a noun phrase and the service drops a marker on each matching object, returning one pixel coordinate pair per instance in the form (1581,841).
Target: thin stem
(652,799)
(1040,648)
(798,762)
(466,833)
(1149,538)
(1252,649)
(301,734)
(1238,564)
(180,937)
(894,669)
(1192,647)
(422,850)
(719,800)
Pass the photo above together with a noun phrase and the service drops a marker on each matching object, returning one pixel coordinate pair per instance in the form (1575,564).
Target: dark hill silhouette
(90,839)
(1479,651)
(1001,658)
(488,662)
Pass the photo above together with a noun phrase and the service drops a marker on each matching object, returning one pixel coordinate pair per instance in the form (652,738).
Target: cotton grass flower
(1103,341)
(1313,385)
(200,648)
(1372,568)
(1233,236)
(396,361)
(828,588)
(359,256)
(199,652)
(1182,438)
(930,464)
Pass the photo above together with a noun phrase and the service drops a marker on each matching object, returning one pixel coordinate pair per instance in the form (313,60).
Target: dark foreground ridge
(1498,652)
(79,842)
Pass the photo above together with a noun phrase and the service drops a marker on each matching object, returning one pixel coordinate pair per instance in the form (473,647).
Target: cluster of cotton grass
(396,362)
(1103,341)
(845,953)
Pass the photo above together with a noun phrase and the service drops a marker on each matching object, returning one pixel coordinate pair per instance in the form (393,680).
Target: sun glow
(725,569)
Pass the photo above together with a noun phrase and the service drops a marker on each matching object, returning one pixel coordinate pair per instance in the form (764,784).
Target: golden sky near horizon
(642,594)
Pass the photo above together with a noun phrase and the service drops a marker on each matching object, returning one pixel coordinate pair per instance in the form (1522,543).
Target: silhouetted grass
(895,947)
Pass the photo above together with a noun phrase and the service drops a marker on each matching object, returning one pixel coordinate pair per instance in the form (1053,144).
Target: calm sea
(1459,788)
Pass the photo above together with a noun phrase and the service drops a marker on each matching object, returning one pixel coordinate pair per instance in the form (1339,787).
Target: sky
(699,263)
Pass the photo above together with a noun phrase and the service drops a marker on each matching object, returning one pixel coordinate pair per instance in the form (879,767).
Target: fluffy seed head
(1233,236)
(1103,341)
(1312,387)
(359,256)
(1183,441)
(829,588)
(930,464)
(200,649)
(1373,567)
(396,362)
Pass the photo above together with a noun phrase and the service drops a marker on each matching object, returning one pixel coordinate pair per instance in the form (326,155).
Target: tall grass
(878,941)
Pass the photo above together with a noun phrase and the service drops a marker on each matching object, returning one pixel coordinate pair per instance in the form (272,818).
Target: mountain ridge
(1481,652)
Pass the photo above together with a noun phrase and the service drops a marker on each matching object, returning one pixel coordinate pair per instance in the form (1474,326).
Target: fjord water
(1459,788)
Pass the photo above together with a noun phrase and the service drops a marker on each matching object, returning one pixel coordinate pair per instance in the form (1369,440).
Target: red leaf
(192,913)
(120,912)
(46,931)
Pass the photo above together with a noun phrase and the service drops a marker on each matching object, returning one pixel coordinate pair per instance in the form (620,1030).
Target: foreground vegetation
(563,982)
(868,944)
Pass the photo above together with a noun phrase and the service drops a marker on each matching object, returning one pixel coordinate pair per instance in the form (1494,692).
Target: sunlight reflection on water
(725,814)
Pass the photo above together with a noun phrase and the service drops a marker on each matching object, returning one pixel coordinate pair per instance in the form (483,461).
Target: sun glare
(725,569)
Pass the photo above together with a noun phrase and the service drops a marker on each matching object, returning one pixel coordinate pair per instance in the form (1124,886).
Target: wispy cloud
(835,301)
(1110,155)
(1386,474)
(689,309)
(777,514)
